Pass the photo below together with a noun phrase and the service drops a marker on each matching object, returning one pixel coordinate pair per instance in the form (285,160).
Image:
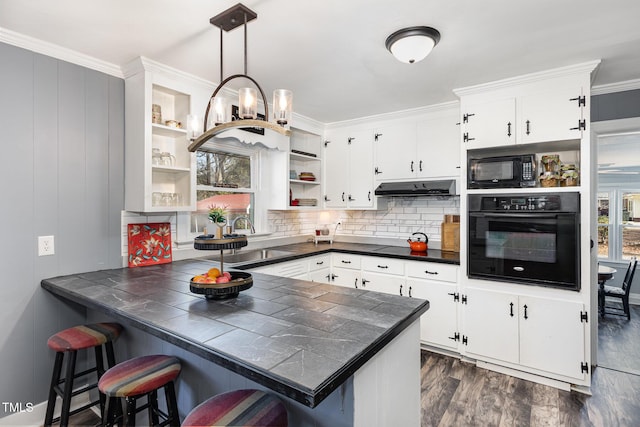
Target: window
(619,227)
(226,179)
(604,226)
(619,196)
(630,224)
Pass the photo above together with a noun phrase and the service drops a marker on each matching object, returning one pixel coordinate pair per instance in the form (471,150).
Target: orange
(214,272)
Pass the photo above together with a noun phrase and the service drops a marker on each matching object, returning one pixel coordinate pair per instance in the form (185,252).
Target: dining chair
(622,293)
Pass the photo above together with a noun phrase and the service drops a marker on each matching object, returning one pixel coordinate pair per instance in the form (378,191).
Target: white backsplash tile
(401,218)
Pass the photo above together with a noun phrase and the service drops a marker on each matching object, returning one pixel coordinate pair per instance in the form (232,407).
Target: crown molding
(616,87)
(402,114)
(585,67)
(58,52)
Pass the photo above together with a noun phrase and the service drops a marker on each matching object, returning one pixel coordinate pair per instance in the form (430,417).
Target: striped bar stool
(69,342)
(239,408)
(140,377)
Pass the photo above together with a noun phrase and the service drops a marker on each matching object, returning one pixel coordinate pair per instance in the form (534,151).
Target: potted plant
(218,216)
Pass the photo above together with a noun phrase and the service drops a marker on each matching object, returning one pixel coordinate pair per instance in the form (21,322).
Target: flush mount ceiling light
(412,44)
(247,116)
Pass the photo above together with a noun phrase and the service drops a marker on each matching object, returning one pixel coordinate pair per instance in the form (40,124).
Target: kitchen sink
(251,255)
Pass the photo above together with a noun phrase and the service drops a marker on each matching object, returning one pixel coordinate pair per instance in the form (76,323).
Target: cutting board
(450,236)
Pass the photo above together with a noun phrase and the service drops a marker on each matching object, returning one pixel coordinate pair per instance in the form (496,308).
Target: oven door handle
(512,215)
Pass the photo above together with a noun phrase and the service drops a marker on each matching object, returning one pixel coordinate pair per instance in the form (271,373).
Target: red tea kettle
(416,244)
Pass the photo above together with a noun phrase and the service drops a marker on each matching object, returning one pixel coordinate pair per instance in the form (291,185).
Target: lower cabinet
(384,275)
(345,270)
(439,325)
(540,333)
(436,283)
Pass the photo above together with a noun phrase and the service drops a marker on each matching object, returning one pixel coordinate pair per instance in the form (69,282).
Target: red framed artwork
(149,244)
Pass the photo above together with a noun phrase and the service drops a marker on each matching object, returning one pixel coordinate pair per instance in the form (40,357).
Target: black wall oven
(531,239)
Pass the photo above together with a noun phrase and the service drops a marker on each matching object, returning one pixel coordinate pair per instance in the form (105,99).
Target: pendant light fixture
(412,44)
(247,97)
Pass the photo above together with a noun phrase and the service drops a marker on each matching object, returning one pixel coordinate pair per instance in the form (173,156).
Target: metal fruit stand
(239,281)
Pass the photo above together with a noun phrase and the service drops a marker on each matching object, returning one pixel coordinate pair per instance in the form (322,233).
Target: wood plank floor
(459,394)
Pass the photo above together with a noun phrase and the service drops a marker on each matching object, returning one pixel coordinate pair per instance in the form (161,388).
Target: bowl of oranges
(217,284)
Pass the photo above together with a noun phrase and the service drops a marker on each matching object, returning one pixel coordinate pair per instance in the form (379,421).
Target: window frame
(185,234)
(616,223)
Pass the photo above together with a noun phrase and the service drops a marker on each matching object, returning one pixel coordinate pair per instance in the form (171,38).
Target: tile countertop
(302,250)
(301,339)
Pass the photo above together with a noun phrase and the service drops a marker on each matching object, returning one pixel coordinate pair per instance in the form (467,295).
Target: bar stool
(239,408)
(69,342)
(140,377)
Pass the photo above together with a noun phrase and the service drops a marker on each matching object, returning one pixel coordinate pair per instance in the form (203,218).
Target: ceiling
(331,53)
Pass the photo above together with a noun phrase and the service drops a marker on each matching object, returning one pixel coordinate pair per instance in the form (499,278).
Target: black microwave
(502,172)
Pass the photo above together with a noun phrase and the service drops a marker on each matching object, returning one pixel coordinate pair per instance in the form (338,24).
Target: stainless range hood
(417,188)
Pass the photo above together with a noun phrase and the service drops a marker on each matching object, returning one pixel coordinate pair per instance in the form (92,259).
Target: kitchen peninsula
(336,354)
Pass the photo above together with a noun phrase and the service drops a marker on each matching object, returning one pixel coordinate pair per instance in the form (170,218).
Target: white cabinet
(438,146)
(555,114)
(488,122)
(345,270)
(551,109)
(159,171)
(395,148)
(320,269)
(427,146)
(491,325)
(384,275)
(436,283)
(349,170)
(540,333)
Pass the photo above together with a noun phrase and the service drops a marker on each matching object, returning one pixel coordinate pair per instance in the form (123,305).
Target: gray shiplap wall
(61,174)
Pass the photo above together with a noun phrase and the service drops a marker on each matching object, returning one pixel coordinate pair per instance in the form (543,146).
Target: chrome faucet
(246,218)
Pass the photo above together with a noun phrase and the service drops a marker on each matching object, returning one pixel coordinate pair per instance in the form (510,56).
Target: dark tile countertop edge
(293,390)
(303,250)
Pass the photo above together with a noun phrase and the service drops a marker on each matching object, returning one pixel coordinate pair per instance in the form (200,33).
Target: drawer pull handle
(431,272)
(319,262)
(383,266)
(345,262)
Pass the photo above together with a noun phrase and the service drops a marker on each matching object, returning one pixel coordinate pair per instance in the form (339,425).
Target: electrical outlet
(45,245)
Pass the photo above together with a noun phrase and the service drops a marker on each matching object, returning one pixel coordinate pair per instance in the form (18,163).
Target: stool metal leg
(172,405)
(99,373)
(152,399)
(111,358)
(130,415)
(68,388)
(55,378)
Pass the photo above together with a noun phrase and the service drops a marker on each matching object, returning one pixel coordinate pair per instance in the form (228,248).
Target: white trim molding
(616,87)
(59,52)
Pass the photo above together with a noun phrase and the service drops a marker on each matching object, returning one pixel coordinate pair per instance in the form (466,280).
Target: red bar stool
(69,342)
(239,408)
(140,377)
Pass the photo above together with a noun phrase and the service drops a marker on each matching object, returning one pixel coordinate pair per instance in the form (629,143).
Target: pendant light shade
(248,117)
(413,44)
